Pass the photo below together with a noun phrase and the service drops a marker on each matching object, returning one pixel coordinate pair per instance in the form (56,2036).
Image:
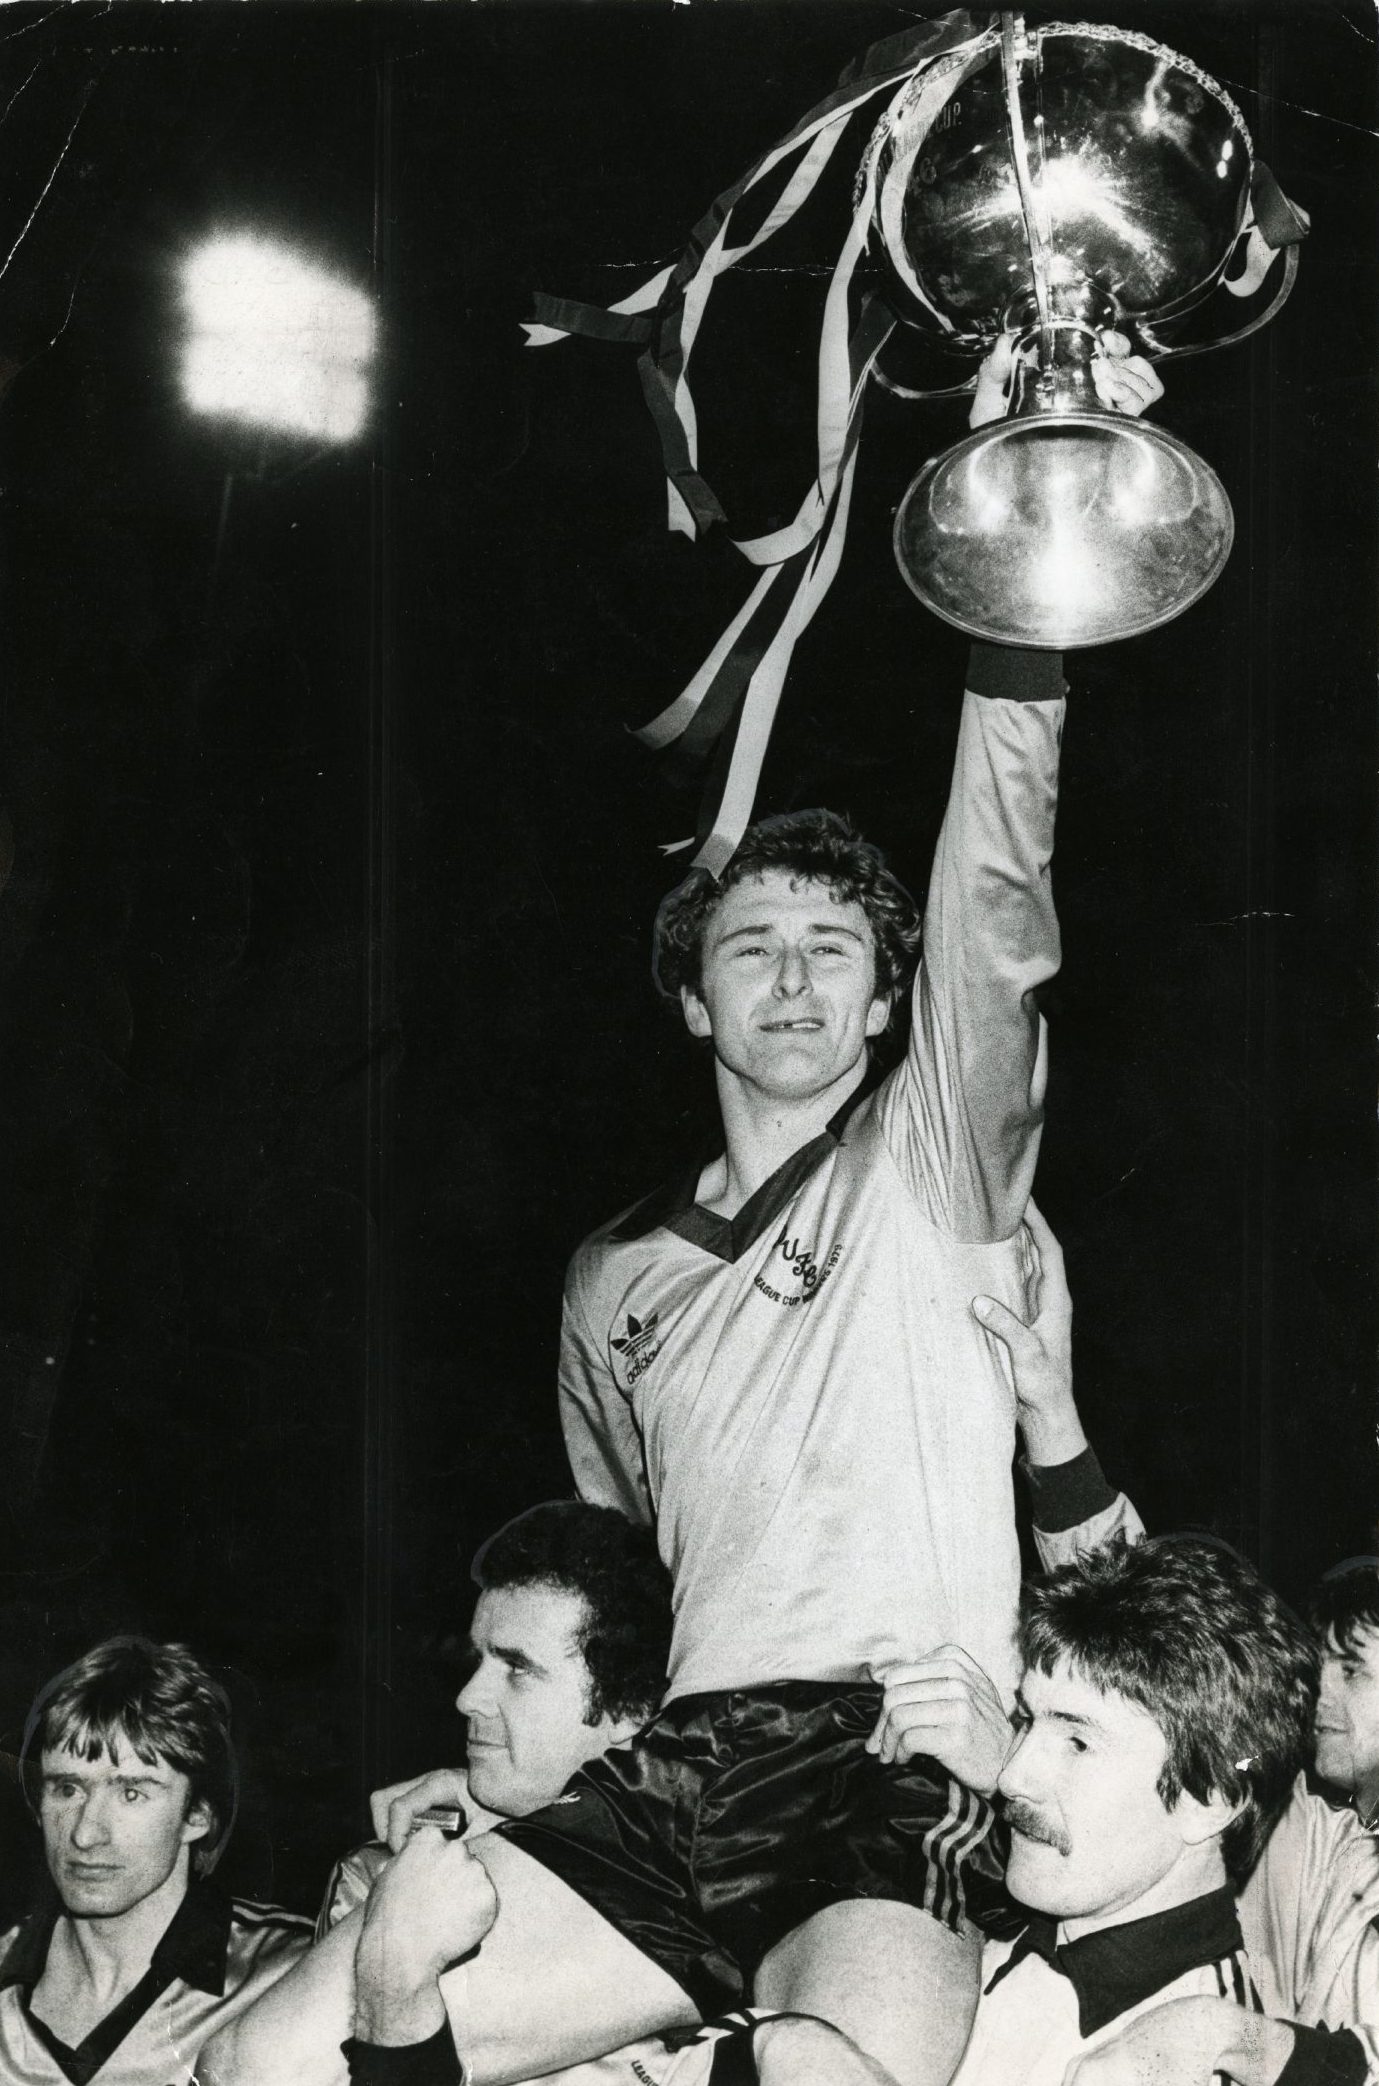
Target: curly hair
(818,847)
(1188,1630)
(613,1567)
(162,1704)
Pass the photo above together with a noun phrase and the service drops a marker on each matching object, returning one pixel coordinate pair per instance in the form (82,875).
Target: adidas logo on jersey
(637,1334)
(639,1345)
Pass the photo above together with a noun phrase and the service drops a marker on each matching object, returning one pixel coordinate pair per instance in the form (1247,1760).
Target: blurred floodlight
(274,341)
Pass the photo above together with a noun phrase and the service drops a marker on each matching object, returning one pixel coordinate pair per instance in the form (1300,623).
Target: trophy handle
(1142,336)
(908,391)
(1157,351)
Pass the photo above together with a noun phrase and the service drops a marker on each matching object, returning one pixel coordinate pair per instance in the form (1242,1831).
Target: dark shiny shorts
(733,1818)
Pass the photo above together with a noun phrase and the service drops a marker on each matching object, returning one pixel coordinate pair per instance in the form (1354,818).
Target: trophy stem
(1057,376)
(1037,230)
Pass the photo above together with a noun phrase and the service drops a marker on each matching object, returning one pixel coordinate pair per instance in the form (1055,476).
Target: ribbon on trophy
(731,702)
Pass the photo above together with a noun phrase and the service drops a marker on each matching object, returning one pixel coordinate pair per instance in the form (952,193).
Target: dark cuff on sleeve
(1322,2057)
(435,2062)
(1062,1494)
(1020,677)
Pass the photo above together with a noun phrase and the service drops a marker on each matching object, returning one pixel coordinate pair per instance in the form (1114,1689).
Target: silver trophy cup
(1074,178)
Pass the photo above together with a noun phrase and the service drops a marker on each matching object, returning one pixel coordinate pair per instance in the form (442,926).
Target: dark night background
(326,1024)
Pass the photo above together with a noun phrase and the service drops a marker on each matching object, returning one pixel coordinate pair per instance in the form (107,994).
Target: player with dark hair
(1345,1612)
(611,1566)
(138,1958)
(775,1360)
(1309,1907)
(568,1648)
(812,847)
(1188,1632)
(1164,1712)
(160,1702)
(1173,1655)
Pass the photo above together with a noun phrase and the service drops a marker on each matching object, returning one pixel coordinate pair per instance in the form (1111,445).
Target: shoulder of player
(24,1946)
(871,1098)
(355,1873)
(861,1126)
(1314,1821)
(627,1228)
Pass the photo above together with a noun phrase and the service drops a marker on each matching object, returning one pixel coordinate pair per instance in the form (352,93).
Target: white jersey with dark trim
(216,1958)
(1034,2018)
(1310,1917)
(1309,1909)
(801,1395)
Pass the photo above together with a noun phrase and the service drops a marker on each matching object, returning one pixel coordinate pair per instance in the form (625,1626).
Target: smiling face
(1091,1838)
(788,986)
(1347,1727)
(115,1829)
(526,1703)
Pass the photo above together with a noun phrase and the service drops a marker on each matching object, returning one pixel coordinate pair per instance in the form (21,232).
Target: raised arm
(963,1118)
(963,1115)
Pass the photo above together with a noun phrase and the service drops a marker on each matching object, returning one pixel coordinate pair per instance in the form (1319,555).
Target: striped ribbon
(731,701)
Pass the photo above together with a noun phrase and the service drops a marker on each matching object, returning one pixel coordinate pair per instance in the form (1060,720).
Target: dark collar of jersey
(194,1948)
(1117,1967)
(728,1238)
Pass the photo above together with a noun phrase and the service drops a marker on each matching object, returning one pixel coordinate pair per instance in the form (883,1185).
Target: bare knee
(901,1986)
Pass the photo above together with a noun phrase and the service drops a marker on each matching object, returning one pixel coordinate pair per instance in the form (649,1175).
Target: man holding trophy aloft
(776,1360)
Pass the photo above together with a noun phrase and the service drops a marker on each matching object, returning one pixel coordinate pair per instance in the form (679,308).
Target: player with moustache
(1164,1711)
(1309,1905)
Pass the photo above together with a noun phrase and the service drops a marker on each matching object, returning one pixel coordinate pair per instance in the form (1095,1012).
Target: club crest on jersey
(638,1345)
(794,1274)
